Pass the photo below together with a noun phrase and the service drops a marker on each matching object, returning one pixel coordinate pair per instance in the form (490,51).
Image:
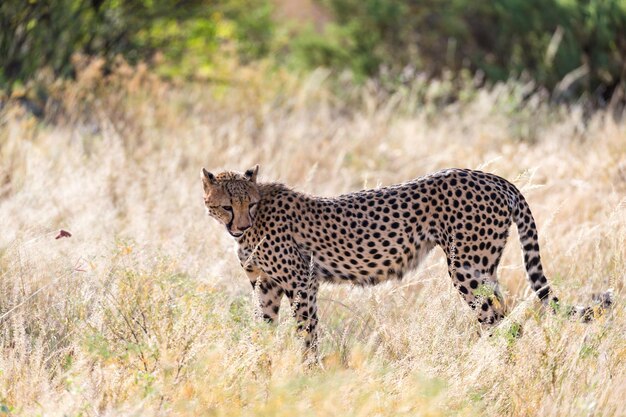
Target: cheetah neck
(269,190)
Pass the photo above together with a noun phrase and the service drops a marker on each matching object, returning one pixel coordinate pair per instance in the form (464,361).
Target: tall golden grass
(145,311)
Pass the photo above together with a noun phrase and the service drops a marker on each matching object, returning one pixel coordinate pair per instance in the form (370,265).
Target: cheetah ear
(251,173)
(208,179)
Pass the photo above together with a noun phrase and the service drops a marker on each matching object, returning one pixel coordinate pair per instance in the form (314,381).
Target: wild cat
(289,241)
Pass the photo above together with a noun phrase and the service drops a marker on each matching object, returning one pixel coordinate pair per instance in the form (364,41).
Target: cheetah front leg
(268,294)
(301,286)
(303,301)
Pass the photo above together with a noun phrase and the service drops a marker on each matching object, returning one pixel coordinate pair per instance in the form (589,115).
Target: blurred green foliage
(573,46)
(46,33)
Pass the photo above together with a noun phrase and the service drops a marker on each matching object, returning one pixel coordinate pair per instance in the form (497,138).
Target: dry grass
(144,310)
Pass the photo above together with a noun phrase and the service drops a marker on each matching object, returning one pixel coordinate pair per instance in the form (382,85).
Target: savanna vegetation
(110,108)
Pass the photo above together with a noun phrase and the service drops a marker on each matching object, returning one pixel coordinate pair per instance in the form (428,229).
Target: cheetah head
(231,198)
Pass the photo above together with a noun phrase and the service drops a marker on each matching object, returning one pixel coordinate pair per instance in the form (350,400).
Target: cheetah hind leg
(480,290)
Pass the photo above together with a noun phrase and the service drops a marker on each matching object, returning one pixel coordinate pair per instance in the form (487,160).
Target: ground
(144,310)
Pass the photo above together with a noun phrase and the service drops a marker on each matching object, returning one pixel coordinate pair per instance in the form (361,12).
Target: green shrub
(571,47)
(544,40)
(46,33)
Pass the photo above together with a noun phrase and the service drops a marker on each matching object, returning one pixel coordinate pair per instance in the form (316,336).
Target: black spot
(543,293)
(533,262)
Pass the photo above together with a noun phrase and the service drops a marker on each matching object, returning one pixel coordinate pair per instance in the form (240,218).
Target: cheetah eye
(227,208)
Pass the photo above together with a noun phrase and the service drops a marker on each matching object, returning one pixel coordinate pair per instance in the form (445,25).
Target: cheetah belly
(367,272)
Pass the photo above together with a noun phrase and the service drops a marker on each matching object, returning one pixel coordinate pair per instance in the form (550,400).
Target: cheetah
(289,242)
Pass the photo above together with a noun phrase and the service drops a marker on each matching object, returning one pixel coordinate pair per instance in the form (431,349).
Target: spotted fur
(289,241)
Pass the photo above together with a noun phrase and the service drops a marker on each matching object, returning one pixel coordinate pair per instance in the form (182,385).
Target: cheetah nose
(244,228)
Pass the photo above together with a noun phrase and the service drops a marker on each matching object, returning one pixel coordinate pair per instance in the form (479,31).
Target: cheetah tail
(529,240)
(601,302)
